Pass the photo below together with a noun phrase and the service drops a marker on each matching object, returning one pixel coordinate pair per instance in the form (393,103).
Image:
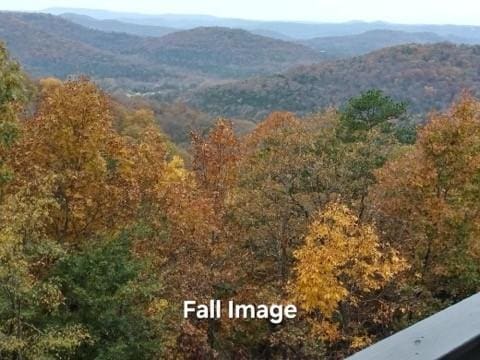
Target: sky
(462,12)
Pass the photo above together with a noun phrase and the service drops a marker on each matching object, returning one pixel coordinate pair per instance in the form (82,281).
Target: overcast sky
(400,11)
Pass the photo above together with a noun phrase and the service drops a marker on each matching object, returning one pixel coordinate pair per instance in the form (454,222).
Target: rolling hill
(112,25)
(426,76)
(353,45)
(232,72)
(226,52)
(296,30)
(50,45)
(118,26)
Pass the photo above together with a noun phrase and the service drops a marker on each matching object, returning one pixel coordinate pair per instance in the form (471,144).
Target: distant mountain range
(109,25)
(49,45)
(294,30)
(332,46)
(226,52)
(224,71)
(427,77)
(354,45)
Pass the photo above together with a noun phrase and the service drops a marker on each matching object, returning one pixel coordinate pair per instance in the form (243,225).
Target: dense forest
(365,221)
(428,77)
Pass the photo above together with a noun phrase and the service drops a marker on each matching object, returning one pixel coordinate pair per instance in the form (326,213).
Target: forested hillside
(231,72)
(425,76)
(228,52)
(52,46)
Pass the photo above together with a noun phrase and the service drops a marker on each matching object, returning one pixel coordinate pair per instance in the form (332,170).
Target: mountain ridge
(360,44)
(425,76)
(112,25)
(50,45)
(292,29)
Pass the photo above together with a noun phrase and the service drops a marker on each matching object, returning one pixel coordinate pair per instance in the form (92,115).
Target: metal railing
(451,334)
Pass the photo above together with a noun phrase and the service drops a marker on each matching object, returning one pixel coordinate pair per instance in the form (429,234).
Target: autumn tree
(338,273)
(429,199)
(13,94)
(27,297)
(71,137)
(269,206)
(215,161)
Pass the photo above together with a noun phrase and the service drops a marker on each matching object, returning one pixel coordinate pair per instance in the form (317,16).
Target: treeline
(363,221)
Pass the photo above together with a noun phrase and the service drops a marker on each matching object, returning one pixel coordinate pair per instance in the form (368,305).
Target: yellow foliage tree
(26,252)
(71,137)
(340,265)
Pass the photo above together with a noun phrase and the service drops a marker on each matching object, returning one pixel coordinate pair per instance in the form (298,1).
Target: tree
(338,273)
(215,161)
(72,138)
(13,94)
(27,297)
(270,203)
(25,249)
(357,165)
(115,297)
(428,196)
(371,127)
(371,109)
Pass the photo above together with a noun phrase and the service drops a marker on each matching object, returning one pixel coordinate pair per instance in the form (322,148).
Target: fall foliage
(106,226)
(338,270)
(429,195)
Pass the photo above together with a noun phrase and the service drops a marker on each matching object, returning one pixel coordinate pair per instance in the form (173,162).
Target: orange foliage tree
(71,138)
(429,199)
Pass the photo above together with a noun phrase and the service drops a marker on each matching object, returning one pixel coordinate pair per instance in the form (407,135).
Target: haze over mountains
(359,44)
(49,45)
(147,30)
(110,25)
(224,68)
(294,30)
